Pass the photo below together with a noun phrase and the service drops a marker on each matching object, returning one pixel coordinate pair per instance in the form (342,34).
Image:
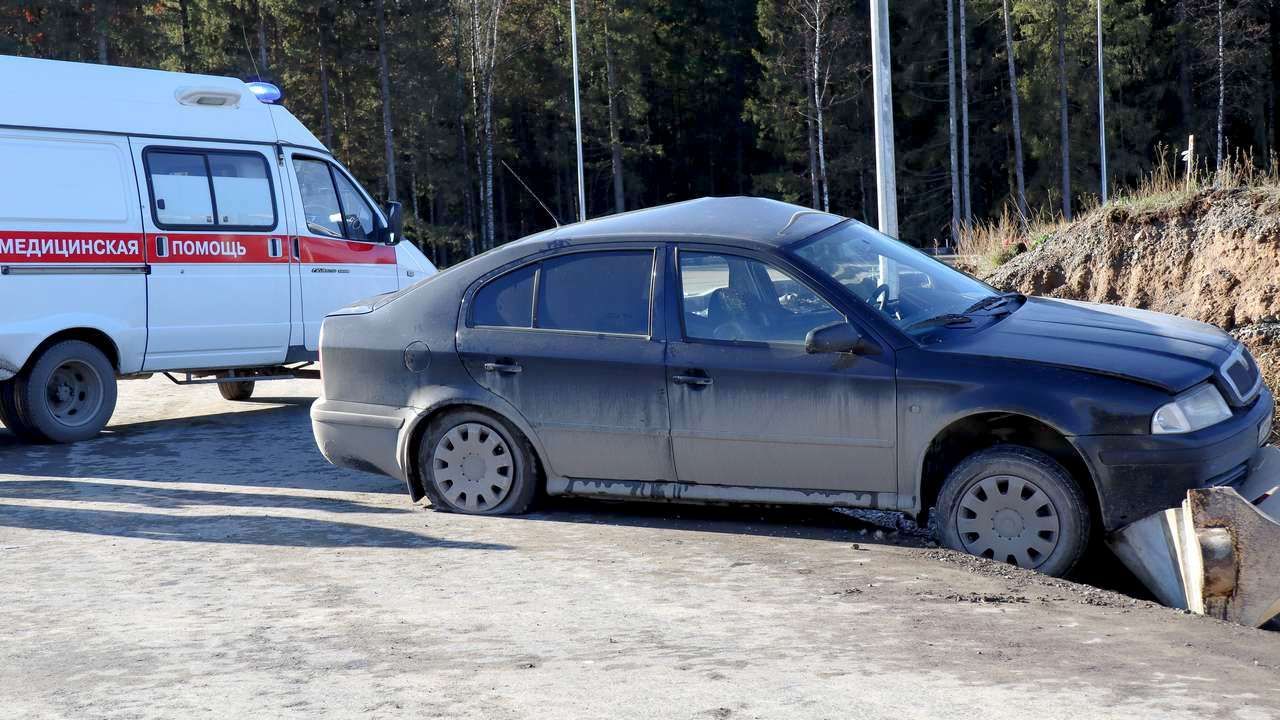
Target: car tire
(10,416)
(475,463)
(68,394)
(242,390)
(1015,504)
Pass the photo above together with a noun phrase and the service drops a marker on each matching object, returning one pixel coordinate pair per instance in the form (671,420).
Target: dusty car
(750,351)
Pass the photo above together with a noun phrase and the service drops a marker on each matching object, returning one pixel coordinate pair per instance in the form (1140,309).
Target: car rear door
(215,240)
(336,244)
(749,407)
(572,341)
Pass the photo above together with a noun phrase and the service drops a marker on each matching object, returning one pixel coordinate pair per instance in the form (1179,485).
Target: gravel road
(200,559)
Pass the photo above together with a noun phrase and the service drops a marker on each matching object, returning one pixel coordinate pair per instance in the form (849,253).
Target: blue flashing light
(266,92)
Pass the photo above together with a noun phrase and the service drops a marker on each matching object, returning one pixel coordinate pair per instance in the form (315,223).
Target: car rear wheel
(476,463)
(242,390)
(1017,505)
(68,394)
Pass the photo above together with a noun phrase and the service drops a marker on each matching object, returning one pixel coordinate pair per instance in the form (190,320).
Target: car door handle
(694,380)
(505,368)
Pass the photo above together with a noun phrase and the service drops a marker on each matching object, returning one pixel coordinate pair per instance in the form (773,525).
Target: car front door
(218,291)
(572,341)
(749,407)
(337,249)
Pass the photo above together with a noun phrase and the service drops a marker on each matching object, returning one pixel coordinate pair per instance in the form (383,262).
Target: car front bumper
(1137,475)
(361,436)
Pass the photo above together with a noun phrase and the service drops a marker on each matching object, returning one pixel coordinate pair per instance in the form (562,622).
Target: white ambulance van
(165,222)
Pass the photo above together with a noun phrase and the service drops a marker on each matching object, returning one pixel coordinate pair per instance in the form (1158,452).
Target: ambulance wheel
(236,390)
(68,394)
(9,415)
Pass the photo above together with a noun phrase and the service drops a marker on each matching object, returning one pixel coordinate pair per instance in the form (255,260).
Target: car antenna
(796,216)
(530,191)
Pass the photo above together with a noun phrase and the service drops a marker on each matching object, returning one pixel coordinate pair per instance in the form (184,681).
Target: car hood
(1165,351)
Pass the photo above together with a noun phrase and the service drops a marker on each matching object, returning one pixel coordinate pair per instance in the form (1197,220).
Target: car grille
(1230,477)
(1242,376)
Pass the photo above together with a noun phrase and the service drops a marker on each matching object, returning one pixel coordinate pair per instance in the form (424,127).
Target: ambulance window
(319,201)
(242,190)
(359,214)
(180,186)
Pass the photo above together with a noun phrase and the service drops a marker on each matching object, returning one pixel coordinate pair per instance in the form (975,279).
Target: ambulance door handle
(297,249)
(162,246)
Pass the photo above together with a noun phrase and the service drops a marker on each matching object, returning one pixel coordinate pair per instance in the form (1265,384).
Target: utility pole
(882,95)
(1102,109)
(577,111)
(886,179)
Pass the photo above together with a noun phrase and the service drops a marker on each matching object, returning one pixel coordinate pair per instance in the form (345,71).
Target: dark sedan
(747,350)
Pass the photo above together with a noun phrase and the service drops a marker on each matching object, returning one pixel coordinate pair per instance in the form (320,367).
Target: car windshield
(906,286)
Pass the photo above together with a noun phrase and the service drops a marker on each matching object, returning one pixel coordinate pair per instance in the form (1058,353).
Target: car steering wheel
(881,292)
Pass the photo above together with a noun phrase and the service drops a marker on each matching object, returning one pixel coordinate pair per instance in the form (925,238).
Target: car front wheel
(1017,505)
(476,463)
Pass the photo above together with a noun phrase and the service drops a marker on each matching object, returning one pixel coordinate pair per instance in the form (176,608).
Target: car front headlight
(1191,411)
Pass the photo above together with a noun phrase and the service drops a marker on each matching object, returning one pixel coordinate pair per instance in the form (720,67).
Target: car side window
(603,292)
(211,188)
(730,298)
(506,301)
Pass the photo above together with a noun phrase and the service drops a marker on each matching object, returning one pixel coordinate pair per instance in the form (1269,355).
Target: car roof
(710,219)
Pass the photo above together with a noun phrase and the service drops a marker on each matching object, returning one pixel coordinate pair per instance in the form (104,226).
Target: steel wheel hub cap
(472,467)
(1008,518)
(74,393)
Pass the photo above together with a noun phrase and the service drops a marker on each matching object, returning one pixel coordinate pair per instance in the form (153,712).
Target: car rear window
(604,292)
(506,301)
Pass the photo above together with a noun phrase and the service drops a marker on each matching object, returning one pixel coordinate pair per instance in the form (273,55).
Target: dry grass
(992,243)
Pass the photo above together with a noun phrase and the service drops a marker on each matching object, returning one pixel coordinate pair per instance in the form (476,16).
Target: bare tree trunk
(964,116)
(1184,67)
(813,151)
(101,17)
(951,122)
(463,150)
(1222,89)
(1273,27)
(326,115)
(1021,197)
(384,81)
(818,99)
(615,142)
(262,40)
(185,15)
(1063,128)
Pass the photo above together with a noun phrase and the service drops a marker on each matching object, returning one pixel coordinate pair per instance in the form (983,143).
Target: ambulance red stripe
(185,248)
(44,247)
(322,251)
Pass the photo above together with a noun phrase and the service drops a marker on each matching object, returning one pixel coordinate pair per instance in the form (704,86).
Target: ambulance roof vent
(208,96)
(266,92)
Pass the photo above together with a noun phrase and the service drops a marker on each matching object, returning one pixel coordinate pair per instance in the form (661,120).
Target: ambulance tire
(68,394)
(236,390)
(9,415)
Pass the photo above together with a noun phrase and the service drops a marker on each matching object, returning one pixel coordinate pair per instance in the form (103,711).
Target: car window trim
(204,153)
(654,275)
(746,255)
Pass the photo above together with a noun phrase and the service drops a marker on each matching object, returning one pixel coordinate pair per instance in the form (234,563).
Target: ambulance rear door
(339,252)
(217,243)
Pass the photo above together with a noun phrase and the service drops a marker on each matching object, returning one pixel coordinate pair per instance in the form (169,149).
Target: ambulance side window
(200,189)
(332,204)
(180,187)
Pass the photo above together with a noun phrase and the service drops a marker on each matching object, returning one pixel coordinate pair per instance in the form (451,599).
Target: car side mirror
(841,337)
(395,224)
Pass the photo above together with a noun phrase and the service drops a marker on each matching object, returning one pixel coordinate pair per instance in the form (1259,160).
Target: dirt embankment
(1212,256)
